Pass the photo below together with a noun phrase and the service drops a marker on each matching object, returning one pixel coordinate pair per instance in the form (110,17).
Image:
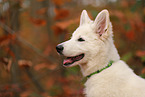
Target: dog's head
(87,41)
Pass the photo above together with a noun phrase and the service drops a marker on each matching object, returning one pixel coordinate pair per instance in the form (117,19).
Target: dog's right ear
(84,18)
(102,23)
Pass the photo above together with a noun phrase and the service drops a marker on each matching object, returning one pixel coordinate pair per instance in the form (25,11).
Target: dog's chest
(104,83)
(99,87)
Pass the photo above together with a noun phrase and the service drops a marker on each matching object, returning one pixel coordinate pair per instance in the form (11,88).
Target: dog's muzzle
(59,49)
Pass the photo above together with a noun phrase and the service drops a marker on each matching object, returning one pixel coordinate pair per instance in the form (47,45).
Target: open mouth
(70,60)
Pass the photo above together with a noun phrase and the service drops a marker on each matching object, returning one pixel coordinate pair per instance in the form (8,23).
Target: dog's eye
(81,39)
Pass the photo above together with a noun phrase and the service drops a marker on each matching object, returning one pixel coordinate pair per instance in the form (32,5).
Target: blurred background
(30,30)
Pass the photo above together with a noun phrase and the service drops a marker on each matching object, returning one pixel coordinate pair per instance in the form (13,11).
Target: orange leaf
(59,27)
(143,71)
(5,40)
(41,11)
(39,66)
(25,94)
(119,14)
(124,3)
(52,66)
(48,50)
(57,30)
(50,83)
(65,24)
(140,53)
(58,2)
(45,94)
(45,65)
(38,22)
(61,13)
(24,63)
(9,51)
(15,87)
(130,35)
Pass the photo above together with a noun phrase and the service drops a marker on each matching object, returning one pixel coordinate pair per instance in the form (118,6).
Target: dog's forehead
(83,30)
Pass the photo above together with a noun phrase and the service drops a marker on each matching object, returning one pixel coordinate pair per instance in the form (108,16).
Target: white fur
(98,47)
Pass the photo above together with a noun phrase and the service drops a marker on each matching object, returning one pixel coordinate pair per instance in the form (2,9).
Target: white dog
(91,47)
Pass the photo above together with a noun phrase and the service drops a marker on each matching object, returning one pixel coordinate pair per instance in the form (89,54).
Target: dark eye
(81,39)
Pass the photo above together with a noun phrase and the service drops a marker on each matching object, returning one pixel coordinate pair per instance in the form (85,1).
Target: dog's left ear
(102,23)
(84,18)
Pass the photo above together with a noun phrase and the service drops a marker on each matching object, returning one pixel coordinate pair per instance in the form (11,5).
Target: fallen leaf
(6,63)
(24,63)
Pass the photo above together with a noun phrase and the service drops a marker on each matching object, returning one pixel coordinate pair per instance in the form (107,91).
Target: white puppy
(91,47)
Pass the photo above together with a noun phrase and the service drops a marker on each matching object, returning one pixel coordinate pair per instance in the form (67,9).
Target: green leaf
(142,75)
(127,56)
(143,58)
(136,6)
(73,70)
(127,27)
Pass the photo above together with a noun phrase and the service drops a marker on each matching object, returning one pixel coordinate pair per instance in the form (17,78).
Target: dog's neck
(101,60)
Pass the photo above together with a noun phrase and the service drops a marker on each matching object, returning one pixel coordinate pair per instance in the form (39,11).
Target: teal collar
(98,71)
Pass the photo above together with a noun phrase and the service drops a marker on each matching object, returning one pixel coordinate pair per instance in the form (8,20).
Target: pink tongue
(67,61)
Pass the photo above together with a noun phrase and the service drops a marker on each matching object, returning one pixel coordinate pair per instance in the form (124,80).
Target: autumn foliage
(30,30)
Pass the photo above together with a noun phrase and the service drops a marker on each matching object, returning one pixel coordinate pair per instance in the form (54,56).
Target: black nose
(59,49)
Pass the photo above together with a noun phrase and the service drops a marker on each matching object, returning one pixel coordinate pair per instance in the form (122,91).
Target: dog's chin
(72,61)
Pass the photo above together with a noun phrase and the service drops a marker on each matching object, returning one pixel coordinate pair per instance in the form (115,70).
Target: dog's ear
(102,22)
(84,18)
